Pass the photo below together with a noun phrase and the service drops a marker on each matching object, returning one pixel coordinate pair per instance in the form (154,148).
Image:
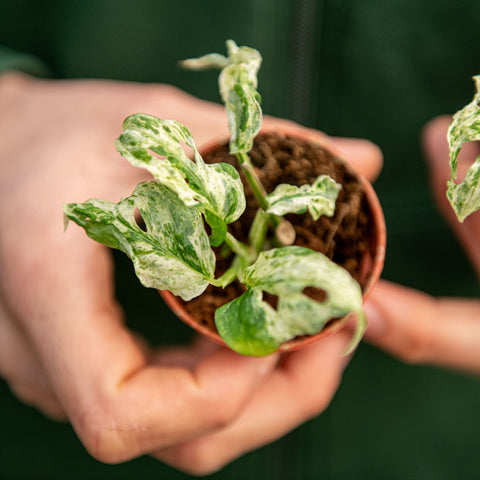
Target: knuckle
(101,437)
(220,414)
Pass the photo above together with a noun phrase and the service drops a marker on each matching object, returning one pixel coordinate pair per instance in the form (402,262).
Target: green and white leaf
(251,327)
(244,324)
(465,127)
(238,89)
(211,60)
(318,198)
(172,254)
(156,145)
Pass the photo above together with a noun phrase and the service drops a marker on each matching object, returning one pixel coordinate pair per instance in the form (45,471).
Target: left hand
(64,346)
(412,325)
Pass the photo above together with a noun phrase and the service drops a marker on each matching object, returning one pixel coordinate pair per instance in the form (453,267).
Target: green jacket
(359,68)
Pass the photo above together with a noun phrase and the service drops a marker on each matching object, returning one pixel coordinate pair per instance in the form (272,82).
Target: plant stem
(237,247)
(260,194)
(228,277)
(254,182)
(244,256)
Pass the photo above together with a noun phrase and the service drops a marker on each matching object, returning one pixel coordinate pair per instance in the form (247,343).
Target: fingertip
(364,155)
(434,141)
(439,123)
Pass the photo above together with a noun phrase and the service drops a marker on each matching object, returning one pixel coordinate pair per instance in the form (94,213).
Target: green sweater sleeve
(23,62)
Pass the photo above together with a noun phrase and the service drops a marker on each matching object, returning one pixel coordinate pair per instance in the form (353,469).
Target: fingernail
(376,325)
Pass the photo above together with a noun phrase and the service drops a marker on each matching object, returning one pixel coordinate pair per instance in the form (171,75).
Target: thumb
(435,145)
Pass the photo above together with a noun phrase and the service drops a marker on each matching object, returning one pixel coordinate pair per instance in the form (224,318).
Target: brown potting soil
(344,237)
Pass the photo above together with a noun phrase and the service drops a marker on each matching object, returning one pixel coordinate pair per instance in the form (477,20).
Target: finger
(418,328)
(300,388)
(184,356)
(157,406)
(20,368)
(365,156)
(437,154)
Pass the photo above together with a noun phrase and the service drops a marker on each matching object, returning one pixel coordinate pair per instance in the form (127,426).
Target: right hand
(412,325)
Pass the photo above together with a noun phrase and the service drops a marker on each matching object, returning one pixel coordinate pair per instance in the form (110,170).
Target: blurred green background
(359,68)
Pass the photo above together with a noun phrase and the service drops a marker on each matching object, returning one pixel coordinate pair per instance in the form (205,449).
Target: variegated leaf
(465,127)
(251,327)
(319,198)
(156,145)
(244,324)
(172,252)
(211,60)
(238,88)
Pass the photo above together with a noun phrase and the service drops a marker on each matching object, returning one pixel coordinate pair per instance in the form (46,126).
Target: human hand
(412,325)
(64,347)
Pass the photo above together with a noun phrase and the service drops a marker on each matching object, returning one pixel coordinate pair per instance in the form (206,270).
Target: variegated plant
(465,127)
(172,250)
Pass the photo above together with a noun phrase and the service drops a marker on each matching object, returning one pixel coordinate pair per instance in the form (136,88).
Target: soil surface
(344,237)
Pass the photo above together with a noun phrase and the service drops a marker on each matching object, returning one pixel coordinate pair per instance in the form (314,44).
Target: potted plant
(266,242)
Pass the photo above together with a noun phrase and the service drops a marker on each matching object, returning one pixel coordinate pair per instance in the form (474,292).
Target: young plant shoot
(173,250)
(465,127)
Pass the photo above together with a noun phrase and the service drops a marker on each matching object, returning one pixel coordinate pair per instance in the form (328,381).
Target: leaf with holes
(465,127)
(318,198)
(252,327)
(216,190)
(172,253)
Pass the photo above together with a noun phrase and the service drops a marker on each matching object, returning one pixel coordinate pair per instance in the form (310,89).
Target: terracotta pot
(371,263)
